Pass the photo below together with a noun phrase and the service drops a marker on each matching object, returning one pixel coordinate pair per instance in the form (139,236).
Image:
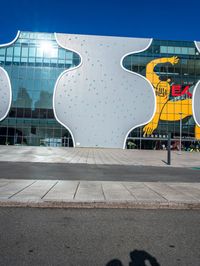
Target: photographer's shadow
(138,258)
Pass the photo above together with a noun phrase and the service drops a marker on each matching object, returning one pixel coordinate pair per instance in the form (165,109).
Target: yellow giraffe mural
(166,109)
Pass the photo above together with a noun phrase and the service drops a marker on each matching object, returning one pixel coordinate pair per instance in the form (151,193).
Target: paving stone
(89,191)
(116,191)
(4,182)
(169,192)
(192,190)
(36,191)
(143,192)
(63,191)
(14,186)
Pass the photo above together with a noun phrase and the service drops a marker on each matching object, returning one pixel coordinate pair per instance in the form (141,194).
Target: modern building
(98,91)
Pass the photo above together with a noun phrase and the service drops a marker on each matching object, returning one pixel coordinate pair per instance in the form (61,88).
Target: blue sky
(167,19)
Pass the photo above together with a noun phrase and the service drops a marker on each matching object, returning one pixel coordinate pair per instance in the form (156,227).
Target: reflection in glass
(32,65)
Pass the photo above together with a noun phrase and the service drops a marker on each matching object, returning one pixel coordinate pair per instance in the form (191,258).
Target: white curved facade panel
(196,103)
(5,94)
(99,101)
(196,96)
(197,44)
(5,86)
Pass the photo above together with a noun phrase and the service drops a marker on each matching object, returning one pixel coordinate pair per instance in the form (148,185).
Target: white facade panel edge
(13,41)
(121,63)
(10,93)
(193,105)
(55,87)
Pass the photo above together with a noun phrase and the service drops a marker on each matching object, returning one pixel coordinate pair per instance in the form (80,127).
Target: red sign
(177,90)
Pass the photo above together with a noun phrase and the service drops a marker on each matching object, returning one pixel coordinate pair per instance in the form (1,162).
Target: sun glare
(46,47)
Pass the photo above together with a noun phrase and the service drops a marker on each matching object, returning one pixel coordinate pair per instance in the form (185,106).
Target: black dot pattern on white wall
(99,101)
(5,94)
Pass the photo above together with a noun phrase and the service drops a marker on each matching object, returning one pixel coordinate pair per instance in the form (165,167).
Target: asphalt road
(17,170)
(92,237)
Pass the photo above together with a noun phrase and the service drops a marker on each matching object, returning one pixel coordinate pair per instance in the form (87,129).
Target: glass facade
(34,63)
(173,68)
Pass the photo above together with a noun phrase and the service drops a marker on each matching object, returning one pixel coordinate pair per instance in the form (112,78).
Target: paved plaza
(98,156)
(99,193)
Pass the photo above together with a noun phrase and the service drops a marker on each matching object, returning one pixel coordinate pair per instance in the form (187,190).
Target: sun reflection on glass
(48,49)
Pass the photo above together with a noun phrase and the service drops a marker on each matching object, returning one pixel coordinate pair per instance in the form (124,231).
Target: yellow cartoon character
(166,109)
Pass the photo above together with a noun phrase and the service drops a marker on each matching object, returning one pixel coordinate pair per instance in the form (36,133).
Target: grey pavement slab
(13,187)
(169,192)
(143,193)
(89,191)
(192,190)
(99,194)
(63,190)
(36,191)
(115,191)
(3,182)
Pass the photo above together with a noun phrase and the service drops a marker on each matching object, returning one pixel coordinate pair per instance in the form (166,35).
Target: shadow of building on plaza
(138,258)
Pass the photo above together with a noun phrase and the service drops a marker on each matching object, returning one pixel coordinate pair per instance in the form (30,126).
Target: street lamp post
(180,131)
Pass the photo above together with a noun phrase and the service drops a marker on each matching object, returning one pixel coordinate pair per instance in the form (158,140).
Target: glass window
(31,59)
(177,50)
(60,61)
(39,60)
(17,51)
(24,41)
(24,51)
(47,53)
(61,53)
(24,34)
(24,59)
(75,56)
(16,59)
(184,50)
(163,49)
(32,51)
(8,58)
(170,50)
(46,60)
(40,35)
(9,51)
(38,73)
(39,52)
(30,74)
(191,51)
(2,58)
(54,53)
(32,35)
(70,55)
(2,51)
(70,62)
(54,60)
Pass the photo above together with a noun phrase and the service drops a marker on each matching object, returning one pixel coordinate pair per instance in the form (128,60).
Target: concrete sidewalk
(98,194)
(97,156)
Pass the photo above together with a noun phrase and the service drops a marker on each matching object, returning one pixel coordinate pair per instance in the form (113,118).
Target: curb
(102,205)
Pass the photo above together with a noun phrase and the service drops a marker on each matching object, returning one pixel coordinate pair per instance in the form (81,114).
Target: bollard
(169,149)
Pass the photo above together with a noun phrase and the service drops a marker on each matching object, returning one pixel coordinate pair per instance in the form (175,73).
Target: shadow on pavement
(138,258)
